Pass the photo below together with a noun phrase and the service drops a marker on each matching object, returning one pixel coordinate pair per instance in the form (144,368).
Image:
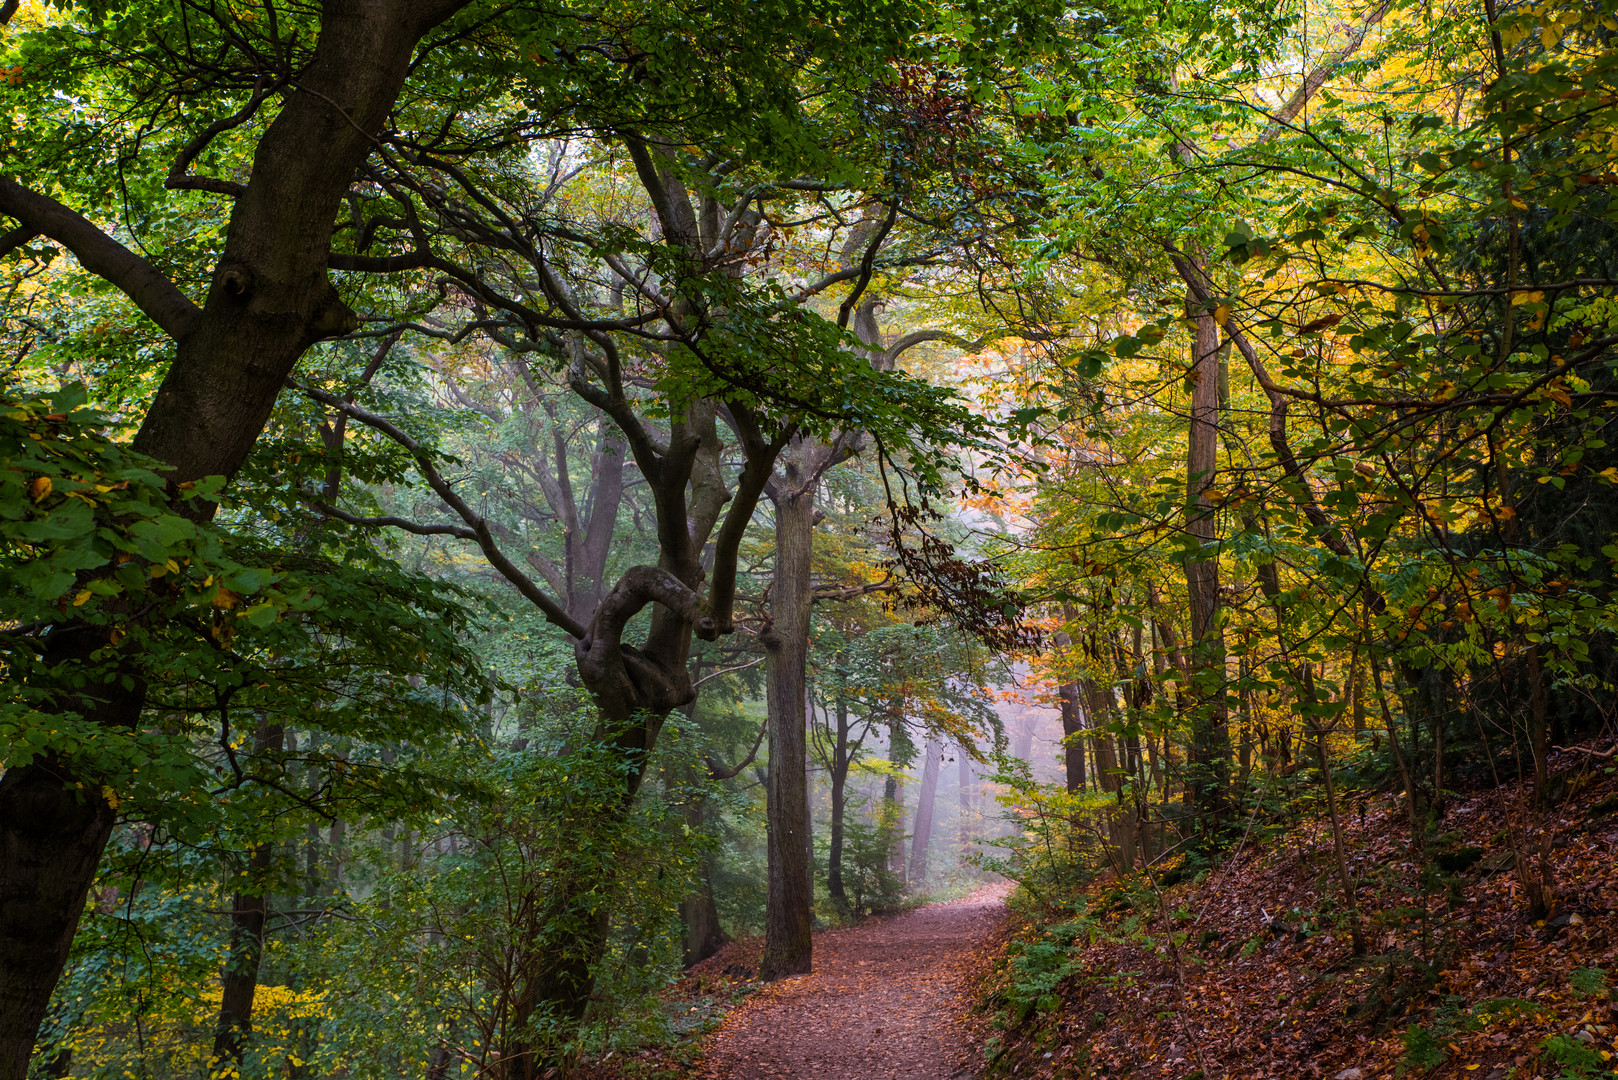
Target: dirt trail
(884,1002)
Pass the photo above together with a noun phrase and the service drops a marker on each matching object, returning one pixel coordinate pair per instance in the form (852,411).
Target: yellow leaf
(1222,314)
(80,600)
(110,795)
(40,488)
(1518,299)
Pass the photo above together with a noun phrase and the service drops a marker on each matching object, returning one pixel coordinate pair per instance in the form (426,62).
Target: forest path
(885,1001)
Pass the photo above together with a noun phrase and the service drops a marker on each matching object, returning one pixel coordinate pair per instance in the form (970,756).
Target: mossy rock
(1602,808)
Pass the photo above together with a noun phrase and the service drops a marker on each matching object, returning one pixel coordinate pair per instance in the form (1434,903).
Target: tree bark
(926,800)
(51,838)
(703,934)
(788,943)
(839,802)
(248,912)
(240,981)
(1072,736)
(1210,736)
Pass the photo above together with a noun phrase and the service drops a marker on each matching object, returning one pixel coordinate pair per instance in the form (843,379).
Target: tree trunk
(1244,754)
(703,936)
(1108,769)
(240,981)
(839,781)
(964,777)
(1072,736)
(925,800)
(1398,755)
(900,752)
(247,917)
(1356,690)
(51,838)
(1210,735)
(1022,737)
(788,918)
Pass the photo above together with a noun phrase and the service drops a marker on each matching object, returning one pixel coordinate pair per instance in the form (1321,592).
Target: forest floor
(888,999)
(1459,981)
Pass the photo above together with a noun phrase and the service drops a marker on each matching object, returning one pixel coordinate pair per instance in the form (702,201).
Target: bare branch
(845,311)
(1324,70)
(405,524)
(727,671)
(852,592)
(482,535)
(717,771)
(379,264)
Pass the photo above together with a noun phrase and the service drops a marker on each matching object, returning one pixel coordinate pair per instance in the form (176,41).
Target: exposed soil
(886,1001)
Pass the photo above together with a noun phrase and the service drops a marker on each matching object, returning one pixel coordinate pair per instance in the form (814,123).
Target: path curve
(885,1002)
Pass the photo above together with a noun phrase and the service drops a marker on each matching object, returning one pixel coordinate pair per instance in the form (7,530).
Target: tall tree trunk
(964,778)
(247,918)
(1356,690)
(1022,737)
(1405,776)
(699,913)
(1108,769)
(1073,736)
(1100,705)
(788,917)
(925,801)
(1244,754)
(900,752)
(51,838)
(839,801)
(1210,736)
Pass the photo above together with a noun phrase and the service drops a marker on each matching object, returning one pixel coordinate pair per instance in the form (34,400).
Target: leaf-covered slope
(1459,980)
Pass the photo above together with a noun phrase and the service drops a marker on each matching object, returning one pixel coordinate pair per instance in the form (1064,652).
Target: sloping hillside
(1249,971)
